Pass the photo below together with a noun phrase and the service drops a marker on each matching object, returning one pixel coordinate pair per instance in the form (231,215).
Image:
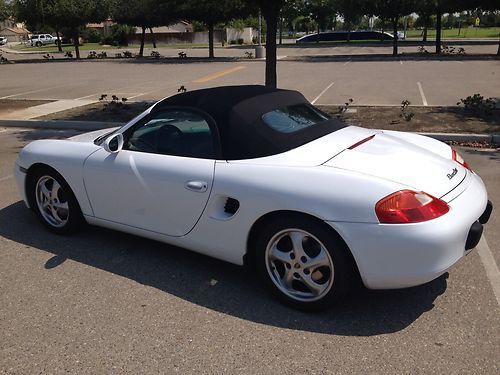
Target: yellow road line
(218,74)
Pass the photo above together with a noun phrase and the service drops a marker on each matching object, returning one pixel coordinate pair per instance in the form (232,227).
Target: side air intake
(231,206)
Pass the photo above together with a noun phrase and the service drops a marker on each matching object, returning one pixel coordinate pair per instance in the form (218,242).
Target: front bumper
(20,176)
(392,256)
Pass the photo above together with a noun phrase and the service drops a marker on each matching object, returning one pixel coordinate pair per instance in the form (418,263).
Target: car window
(294,118)
(173,132)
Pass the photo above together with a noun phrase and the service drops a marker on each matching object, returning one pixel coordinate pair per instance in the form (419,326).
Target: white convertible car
(259,176)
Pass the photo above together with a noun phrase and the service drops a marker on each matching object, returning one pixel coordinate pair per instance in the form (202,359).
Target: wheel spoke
(55,190)
(45,192)
(298,249)
(278,255)
(61,206)
(321,260)
(287,279)
(315,288)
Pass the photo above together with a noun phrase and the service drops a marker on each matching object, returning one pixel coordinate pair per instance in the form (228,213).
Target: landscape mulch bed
(425,119)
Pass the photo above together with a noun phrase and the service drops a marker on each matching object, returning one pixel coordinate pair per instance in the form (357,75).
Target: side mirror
(114,143)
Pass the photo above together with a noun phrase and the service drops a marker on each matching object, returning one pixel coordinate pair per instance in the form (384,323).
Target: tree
(424,9)
(75,14)
(351,11)
(270,10)
(145,14)
(5,10)
(290,11)
(70,14)
(321,11)
(393,10)
(212,12)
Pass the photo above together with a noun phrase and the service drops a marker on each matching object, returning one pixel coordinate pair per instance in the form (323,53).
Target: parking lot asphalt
(386,82)
(105,302)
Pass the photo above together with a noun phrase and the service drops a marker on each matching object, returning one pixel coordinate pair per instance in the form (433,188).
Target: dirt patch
(8,105)
(424,119)
(101,112)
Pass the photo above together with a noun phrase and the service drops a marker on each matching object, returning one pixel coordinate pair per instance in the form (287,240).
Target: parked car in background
(3,40)
(38,40)
(334,36)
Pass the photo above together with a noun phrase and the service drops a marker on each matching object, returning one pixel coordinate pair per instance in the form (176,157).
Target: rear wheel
(38,44)
(303,263)
(53,202)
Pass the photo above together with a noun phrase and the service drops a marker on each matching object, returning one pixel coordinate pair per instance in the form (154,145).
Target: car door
(161,180)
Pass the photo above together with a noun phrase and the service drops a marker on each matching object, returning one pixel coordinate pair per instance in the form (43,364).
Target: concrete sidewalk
(47,109)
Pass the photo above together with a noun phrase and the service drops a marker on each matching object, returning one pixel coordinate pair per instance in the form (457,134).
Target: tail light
(460,160)
(407,206)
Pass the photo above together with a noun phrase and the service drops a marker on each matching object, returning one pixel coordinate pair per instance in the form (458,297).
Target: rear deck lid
(392,158)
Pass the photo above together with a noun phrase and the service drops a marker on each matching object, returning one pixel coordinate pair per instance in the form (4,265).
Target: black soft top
(237,112)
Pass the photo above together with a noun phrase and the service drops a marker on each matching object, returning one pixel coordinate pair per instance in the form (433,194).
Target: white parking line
(424,100)
(490,266)
(30,92)
(401,62)
(347,62)
(322,92)
(6,178)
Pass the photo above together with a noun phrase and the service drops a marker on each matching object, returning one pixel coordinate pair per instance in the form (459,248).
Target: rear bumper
(404,255)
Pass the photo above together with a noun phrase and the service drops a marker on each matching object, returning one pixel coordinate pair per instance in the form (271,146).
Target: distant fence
(179,38)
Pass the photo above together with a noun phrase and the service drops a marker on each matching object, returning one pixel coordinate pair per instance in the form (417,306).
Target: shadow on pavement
(492,155)
(189,276)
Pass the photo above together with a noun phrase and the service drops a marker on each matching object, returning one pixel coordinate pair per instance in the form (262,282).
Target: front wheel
(303,263)
(53,202)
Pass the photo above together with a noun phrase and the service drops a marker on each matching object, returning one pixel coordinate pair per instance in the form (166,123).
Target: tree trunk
(498,50)
(76,43)
(211,54)
(143,37)
(59,47)
(281,30)
(426,25)
(438,31)
(271,76)
(395,41)
(153,37)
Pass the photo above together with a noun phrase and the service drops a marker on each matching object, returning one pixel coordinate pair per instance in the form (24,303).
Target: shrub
(121,34)
(408,116)
(92,36)
(478,105)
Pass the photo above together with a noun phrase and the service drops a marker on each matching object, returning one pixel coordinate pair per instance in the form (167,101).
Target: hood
(92,136)
(393,158)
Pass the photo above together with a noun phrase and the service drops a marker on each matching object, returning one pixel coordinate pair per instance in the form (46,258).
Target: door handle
(197,186)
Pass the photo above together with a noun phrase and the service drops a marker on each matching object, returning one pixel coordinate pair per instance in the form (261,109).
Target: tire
(304,263)
(53,201)
(38,44)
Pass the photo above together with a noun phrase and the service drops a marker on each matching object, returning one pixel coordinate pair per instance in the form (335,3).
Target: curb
(59,125)
(95,125)
(494,139)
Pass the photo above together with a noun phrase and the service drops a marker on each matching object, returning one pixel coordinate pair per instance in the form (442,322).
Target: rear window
(294,118)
